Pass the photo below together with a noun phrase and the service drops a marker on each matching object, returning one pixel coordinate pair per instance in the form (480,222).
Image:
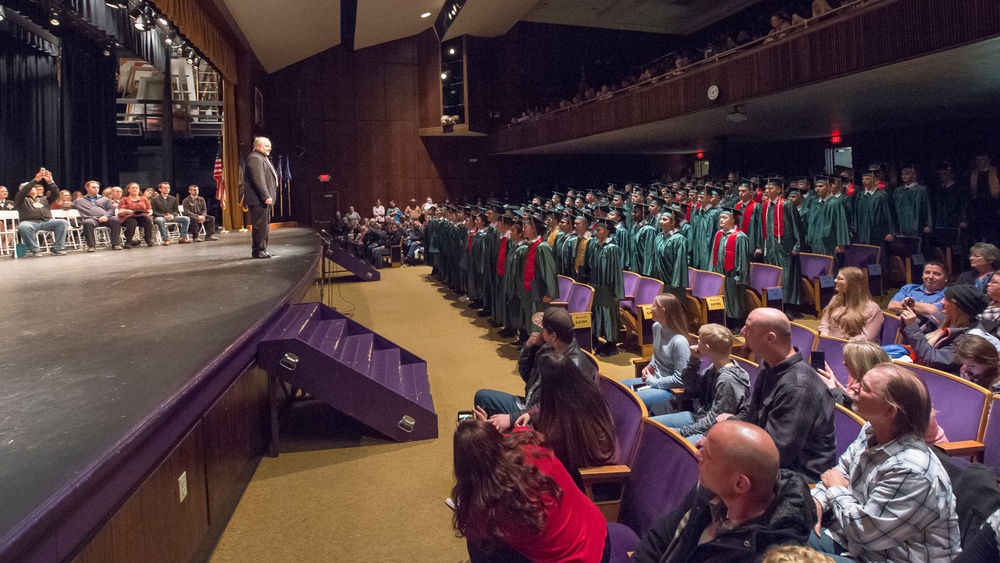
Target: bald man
(261,188)
(743,504)
(789,400)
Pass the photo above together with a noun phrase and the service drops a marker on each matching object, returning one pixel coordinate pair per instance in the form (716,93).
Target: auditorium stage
(96,347)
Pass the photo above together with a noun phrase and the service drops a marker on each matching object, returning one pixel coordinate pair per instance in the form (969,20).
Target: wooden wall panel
(401,92)
(236,434)
(153,525)
(369,93)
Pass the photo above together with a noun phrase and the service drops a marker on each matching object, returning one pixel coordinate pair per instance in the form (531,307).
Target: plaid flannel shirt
(899,506)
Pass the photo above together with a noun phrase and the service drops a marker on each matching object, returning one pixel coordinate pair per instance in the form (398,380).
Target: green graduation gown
(609,287)
(872,217)
(544,283)
(671,262)
(736,277)
(643,236)
(778,250)
(702,235)
(828,227)
(913,209)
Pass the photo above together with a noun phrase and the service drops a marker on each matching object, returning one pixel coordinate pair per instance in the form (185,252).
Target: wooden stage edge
(205,441)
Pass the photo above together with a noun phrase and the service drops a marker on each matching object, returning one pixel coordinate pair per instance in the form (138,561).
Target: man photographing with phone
(923,299)
(33,202)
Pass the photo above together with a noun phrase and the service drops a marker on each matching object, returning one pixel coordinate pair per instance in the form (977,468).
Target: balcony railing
(144,118)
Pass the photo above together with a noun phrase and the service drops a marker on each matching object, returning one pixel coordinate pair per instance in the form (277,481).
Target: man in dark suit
(261,187)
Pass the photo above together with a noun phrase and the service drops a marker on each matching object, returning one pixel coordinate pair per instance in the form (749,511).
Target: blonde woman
(859,357)
(852,314)
(671,352)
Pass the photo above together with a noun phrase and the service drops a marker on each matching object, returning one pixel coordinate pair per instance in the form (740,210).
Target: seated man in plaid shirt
(888,498)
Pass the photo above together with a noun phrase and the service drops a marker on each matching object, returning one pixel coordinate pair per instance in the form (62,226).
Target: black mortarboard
(777,181)
(730,210)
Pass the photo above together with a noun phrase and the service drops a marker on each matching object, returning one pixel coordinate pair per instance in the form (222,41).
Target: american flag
(220,181)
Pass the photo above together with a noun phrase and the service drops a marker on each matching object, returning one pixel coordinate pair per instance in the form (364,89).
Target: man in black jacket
(166,210)
(741,507)
(261,187)
(33,201)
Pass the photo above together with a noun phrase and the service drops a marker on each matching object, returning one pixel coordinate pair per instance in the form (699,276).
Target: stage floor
(92,344)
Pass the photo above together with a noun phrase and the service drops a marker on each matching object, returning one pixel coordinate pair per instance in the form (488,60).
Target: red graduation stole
(779,217)
(502,257)
(747,214)
(529,267)
(472,233)
(729,261)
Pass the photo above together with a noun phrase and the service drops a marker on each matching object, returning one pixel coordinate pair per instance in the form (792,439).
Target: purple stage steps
(352,263)
(349,367)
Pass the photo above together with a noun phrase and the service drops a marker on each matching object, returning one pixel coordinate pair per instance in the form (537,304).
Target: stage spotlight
(116,4)
(109,48)
(163,21)
(3,14)
(171,37)
(451,51)
(54,16)
(444,76)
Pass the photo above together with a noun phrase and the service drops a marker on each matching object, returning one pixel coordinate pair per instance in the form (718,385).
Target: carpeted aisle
(338,493)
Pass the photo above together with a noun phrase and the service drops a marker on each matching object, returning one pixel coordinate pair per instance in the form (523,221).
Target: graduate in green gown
(579,268)
(749,211)
(475,275)
(504,249)
(828,232)
(564,245)
(622,236)
(643,235)
(912,204)
(780,239)
(873,222)
(538,284)
(671,254)
(609,286)
(731,258)
(491,249)
(513,276)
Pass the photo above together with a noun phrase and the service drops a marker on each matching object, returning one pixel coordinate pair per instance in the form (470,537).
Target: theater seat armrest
(639,364)
(563,304)
(605,474)
(964,448)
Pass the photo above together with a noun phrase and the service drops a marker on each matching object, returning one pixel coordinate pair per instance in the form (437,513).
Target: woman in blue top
(671,352)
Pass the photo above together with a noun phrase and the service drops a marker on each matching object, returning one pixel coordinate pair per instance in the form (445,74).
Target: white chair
(8,233)
(102,237)
(74,234)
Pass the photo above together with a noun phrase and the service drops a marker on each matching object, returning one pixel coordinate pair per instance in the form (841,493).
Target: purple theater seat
(647,291)
(961,405)
(861,255)
(564,286)
(803,338)
(763,276)
(991,438)
(890,329)
(692,274)
(623,541)
(581,298)
(751,368)
(663,472)
(707,284)
(834,350)
(631,281)
(628,412)
(815,265)
(846,427)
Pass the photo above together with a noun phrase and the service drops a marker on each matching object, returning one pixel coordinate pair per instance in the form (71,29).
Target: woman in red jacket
(514,501)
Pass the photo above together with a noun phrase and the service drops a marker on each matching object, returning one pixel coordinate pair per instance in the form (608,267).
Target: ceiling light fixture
(444,76)
(425,15)
(54,16)
(736,116)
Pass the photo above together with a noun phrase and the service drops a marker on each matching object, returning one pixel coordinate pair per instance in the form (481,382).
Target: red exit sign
(324,177)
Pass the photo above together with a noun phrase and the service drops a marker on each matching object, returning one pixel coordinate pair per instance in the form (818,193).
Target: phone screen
(465,415)
(818,360)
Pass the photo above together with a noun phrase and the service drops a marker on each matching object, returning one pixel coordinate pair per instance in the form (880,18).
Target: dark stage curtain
(30,120)
(88,113)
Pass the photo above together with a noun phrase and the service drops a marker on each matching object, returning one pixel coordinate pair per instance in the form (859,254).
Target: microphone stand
(327,240)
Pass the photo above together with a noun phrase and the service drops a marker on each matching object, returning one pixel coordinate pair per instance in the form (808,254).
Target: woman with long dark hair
(573,416)
(514,501)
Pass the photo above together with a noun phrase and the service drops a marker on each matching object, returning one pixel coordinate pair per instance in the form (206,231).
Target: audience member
(671,351)
(935,346)
(788,400)
(32,201)
(165,210)
(64,202)
(852,314)
(983,545)
(134,211)
(413,210)
(378,211)
(989,319)
(722,388)
(98,211)
(888,498)
(556,335)
(984,258)
(794,554)
(924,299)
(514,501)
(573,416)
(980,361)
(984,204)
(196,209)
(859,357)
(353,217)
(5,204)
(382,248)
(742,505)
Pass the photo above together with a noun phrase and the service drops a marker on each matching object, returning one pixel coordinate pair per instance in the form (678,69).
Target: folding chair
(8,233)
